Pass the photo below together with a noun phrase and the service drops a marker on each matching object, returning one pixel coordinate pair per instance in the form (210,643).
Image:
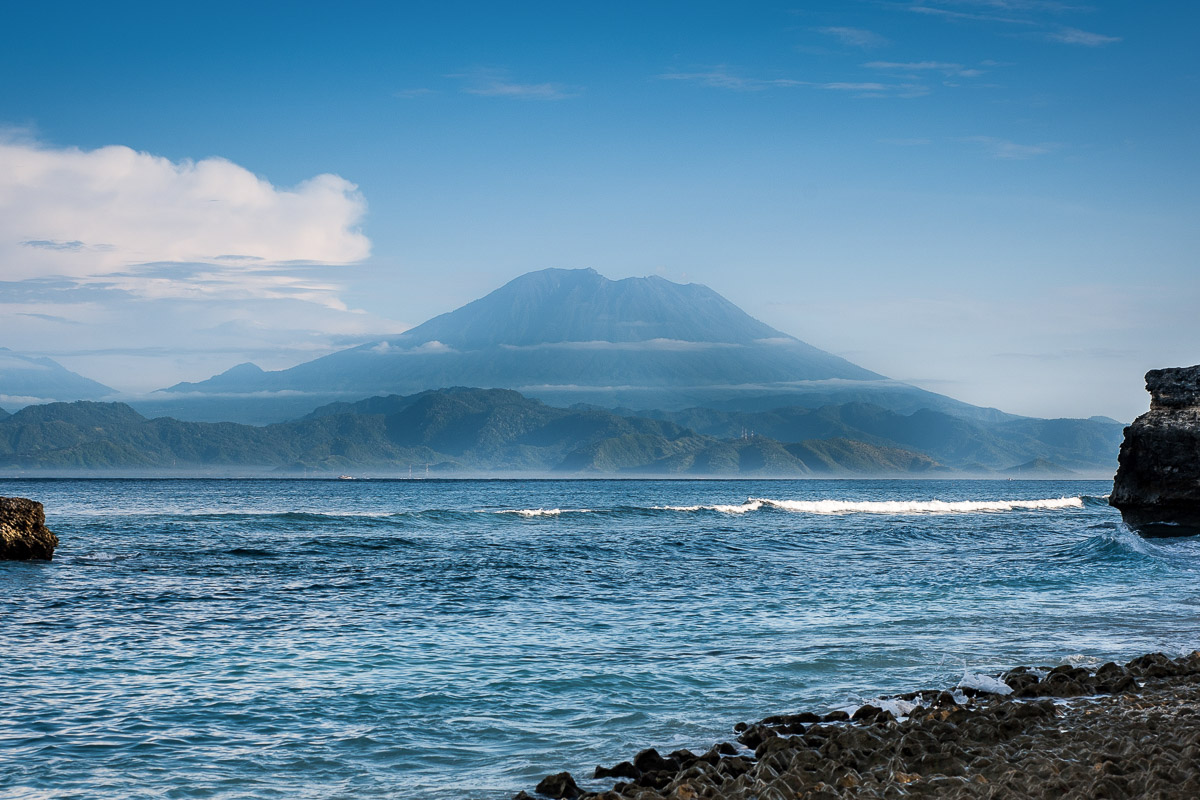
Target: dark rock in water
(622,770)
(558,786)
(1157,487)
(649,760)
(866,713)
(23,532)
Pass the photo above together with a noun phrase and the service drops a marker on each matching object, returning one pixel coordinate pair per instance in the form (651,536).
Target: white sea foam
(983,683)
(543,512)
(532,512)
(1082,660)
(885,506)
(749,505)
(899,708)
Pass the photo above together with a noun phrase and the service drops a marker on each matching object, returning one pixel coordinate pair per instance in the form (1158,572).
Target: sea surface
(449,639)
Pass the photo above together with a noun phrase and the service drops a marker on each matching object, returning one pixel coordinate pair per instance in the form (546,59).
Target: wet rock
(1151,665)
(621,770)
(835,716)
(1124,683)
(655,779)
(1020,680)
(776,744)
(649,760)
(945,700)
(558,786)
(867,713)
(1157,486)
(753,737)
(23,532)
(803,718)
(1145,743)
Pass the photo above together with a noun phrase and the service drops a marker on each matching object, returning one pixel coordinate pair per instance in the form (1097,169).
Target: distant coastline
(478,432)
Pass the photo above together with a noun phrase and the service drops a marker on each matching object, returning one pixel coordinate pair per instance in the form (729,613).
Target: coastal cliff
(23,532)
(1157,486)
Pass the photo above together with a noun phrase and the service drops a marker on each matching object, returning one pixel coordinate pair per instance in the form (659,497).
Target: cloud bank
(89,213)
(148,271)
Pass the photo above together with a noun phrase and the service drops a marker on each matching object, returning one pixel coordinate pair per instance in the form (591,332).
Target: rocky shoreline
(1130,731)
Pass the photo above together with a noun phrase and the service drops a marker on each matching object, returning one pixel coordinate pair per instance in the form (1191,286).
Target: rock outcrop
(23,532)
(1157,487)
(1129,731)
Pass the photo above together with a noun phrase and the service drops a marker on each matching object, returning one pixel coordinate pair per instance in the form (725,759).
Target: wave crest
(885,506)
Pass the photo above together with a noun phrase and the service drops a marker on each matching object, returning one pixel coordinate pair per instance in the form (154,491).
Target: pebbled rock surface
(1157,487)
(1130,731)
(23,532)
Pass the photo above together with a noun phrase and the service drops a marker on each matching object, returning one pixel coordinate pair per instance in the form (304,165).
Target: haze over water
(348,639)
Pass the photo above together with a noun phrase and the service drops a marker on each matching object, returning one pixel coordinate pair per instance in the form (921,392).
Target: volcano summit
(571,336)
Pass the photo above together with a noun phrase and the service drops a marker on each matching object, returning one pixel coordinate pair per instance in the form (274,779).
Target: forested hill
(446,431)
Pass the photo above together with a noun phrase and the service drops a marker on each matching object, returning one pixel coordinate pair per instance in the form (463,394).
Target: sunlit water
(423,639)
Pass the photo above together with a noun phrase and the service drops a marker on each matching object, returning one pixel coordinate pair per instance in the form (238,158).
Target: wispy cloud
(855,37)
(722,78)
(1006,149)
(1034,14)
(973,16)
(408,94)
(945,67)
(1052,6)
(1084,38)
(498,83)
(875,89)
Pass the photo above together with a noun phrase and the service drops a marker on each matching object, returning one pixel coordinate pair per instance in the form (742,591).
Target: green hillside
(449,430)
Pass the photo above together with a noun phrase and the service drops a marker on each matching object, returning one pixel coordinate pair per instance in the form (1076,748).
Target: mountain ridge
(454,431)
(568,336)
(37,378)
(464,430)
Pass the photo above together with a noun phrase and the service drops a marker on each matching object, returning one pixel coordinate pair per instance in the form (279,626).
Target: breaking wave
(820,507)
(543,512)
(885,506)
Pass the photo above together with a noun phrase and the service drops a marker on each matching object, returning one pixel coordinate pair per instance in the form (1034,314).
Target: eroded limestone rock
(23,532)
(1157,486)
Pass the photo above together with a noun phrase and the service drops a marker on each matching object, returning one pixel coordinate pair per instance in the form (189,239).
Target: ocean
(464,638)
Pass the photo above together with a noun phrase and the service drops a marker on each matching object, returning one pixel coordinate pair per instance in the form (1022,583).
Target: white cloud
(136,343)
(497,83)
(639,345)
(855,37)
(1084,38)
(1003,148)
(722,78)
(91,213)
(946,67)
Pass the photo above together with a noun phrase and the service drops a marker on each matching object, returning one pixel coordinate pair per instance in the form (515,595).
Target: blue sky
(994,199)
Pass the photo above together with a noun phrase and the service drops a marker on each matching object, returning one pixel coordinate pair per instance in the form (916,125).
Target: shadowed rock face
(1157,486)
(23,532)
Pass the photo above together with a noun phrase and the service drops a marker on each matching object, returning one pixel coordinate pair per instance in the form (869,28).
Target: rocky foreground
(1129,731)
(23,532)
